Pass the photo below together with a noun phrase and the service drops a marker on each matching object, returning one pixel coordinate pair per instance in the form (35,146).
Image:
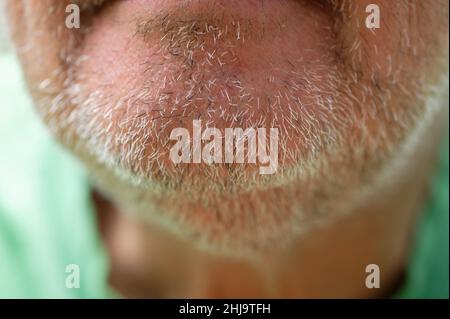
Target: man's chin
(235,217)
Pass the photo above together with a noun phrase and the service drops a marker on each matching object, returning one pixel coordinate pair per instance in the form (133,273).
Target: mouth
(254,4)
(90,5)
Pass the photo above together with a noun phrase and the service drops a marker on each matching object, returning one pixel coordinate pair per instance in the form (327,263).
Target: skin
(359,113)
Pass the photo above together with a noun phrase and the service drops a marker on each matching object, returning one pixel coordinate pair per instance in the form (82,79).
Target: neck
(329,261)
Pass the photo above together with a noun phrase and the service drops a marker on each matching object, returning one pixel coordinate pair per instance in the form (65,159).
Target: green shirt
(47,220)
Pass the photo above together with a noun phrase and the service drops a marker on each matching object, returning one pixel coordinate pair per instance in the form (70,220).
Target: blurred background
(41,233)
(3,42)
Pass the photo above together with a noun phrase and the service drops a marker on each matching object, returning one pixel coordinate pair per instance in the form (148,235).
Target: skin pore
(359,113)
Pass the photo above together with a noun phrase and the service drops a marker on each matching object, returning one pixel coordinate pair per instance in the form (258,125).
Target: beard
(348,127)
